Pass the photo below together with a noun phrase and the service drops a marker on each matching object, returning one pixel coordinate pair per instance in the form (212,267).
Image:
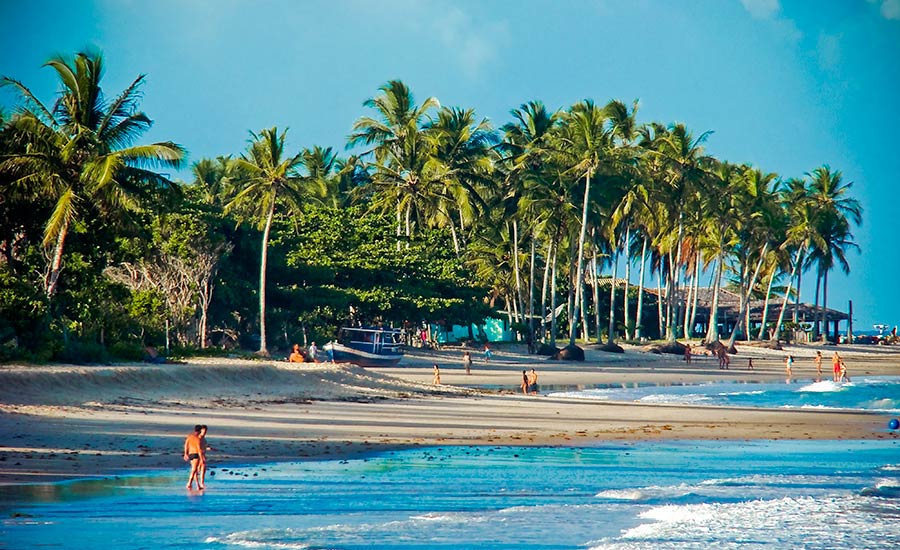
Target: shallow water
(814,494)
(872,393)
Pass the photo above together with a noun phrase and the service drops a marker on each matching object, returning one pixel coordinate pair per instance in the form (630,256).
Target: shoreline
(68,422)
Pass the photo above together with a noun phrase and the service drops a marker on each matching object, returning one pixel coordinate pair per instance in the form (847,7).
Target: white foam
(779,523)
(825,386)
(621,494)
(667,398)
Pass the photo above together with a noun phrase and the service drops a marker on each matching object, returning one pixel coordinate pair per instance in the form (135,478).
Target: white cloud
(890,9)
(762,9)
(474,44)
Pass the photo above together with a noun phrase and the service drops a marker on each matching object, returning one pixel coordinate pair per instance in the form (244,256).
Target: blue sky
(785,85)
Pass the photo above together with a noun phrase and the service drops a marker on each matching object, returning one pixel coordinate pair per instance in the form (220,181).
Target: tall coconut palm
(80,151)
(758,212)
(800,236)
(837,210)
(684,165)
(397,137)
(585,144)
(264,178)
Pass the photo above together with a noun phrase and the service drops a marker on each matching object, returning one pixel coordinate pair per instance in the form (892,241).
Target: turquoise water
(872,393)
(765,494)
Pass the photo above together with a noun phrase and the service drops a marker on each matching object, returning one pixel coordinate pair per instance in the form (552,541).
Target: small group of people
(297,355)
(839,368)
(195,447)
(529,382)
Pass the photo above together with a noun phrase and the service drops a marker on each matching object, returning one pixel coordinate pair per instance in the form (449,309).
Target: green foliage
(346,258)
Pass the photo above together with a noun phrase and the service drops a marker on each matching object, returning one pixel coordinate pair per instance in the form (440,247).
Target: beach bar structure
(729,310)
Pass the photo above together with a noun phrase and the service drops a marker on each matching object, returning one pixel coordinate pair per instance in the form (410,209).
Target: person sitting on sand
(532,382)
(204,446)
(193,453)
(437,376)
(153,356)
(296,355)
(687,354)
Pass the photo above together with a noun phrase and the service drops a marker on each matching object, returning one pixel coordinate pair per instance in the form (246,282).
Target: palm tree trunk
(530,323)
(581,237)
(640,298)
(455,239)
(712,331)
(825,306)
(627,315)
(799,280)
(399,223)
(816,308)
(687,304)
(548,262)
(777,334)
(670,299)
(263,349)
(659,299)
(515,227)
(553,298)
(765,313)
(596,283)
(56,262)
(693,315)
(612,301)
(745,294)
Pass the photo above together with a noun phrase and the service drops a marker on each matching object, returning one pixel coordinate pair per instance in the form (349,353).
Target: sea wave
(825,386)
(675,399)
(780,522)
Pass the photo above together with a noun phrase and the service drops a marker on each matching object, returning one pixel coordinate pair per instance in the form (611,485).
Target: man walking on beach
(313,352)
(193,453)
(204,446)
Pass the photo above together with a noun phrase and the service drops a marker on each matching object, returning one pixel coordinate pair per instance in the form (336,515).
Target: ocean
(677,494)
(865,393)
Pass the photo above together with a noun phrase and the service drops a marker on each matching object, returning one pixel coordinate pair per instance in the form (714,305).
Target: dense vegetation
(439,217)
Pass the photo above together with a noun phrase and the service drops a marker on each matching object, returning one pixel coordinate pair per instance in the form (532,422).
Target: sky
(784,85)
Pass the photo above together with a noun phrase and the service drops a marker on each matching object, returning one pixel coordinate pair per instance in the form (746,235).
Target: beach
(64,422)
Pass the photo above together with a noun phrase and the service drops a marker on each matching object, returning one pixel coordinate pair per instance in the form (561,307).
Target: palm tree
(682,165)
(837,210)
(401,150)
(264,177)
(80,151)
(800,236)
(585,144)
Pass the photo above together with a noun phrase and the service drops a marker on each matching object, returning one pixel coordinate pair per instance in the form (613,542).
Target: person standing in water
(193,453)
(818,362)
(836,362)
(204,446)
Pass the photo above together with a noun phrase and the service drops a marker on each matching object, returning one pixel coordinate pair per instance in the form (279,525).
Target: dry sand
(65,422)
